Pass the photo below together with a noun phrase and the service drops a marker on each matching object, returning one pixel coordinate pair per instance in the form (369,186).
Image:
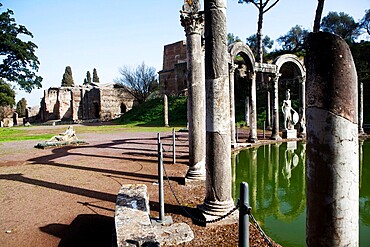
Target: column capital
(193,22)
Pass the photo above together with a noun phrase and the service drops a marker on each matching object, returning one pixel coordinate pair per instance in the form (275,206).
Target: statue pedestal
(289,134)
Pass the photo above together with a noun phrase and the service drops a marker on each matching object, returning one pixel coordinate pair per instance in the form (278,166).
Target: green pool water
(277,189)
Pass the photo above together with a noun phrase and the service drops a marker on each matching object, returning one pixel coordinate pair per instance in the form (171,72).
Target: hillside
(150,113)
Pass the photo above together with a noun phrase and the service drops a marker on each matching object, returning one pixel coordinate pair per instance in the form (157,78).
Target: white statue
(68,135)
(289,119)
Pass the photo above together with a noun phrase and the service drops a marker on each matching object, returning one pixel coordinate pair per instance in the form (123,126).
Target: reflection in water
(277,189)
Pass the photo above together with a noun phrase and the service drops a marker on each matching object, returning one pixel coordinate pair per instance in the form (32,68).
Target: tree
(318,14)
(21,107)
(252,42)
(95,76)
(19,62)
(138,82)
(294,40)
(341,24)
(67,80)
(87,80)
(7,94)
(231,39)
(263,6)
(365,21)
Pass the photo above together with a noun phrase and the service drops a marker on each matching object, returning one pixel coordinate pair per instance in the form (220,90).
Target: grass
(147,117)
(21,134)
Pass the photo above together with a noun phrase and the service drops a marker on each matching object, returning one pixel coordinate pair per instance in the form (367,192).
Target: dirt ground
(66,196)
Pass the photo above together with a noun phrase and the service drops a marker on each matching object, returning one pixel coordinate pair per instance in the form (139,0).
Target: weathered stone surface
(133,225)
(104,102)
(218,181)
(332,164)
(174,234)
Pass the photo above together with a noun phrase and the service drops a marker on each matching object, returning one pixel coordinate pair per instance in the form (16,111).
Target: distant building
(172,78)
(103,102)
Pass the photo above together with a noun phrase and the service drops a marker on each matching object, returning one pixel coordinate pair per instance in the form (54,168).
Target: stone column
(253,111)
(361,110)
(302,111)
(218,199)
(192,21)
(268,111)
(332,163)
(232,103)
(246,110)
(275,108)
(165,109)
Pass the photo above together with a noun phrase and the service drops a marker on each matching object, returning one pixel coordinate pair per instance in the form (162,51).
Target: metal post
(264,127)
(244,215)
(174,145)
(160,179)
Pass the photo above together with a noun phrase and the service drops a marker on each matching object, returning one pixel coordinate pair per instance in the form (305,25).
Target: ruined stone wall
(64,103)
(172,77)
(114,102)
(83,103)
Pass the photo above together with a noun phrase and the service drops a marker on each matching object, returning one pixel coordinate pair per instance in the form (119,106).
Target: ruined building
(172,78)
(103,102)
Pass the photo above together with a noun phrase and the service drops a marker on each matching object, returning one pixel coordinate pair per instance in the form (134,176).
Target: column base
(197,172)
(215,209)
(275,137)
(253,139)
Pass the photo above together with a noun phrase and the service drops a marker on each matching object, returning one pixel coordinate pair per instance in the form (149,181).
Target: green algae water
(277,189)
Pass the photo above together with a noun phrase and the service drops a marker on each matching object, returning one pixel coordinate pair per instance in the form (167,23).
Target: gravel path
(66,196)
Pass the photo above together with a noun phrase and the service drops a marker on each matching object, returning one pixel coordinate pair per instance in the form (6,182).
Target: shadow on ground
(85,230)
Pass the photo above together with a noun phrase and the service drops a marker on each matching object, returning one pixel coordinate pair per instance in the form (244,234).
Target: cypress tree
(95,76)
(67,80)
(21,107)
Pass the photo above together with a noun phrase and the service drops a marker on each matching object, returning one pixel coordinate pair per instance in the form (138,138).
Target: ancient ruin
(95,101)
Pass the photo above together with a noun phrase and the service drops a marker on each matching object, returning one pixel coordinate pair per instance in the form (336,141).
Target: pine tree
(67,80)
(95,76)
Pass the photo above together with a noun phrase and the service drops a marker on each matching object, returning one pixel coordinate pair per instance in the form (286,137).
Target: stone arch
(123,108)
(298,72)
(239,48)
(289,58)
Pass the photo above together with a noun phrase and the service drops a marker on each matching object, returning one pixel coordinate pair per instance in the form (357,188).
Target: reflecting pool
(277,189)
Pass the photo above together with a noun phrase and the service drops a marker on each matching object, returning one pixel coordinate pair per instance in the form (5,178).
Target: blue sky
(107,35)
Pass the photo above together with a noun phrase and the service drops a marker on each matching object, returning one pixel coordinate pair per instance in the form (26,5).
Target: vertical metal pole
(160,179)
(174,145)
(244,215)
(264,127)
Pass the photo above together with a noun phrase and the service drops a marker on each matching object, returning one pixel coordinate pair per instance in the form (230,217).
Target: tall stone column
(192,21)
(253,111)
(302,112)
(268,111)
(218,200)
(232,103)
(246,110)
(275,108)
(361,110)
(332,162)
(165,109)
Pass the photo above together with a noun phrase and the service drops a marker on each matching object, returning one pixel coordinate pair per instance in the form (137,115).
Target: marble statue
(291,117)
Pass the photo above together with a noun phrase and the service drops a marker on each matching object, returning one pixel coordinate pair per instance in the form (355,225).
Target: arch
(289,58)
(123,108)
(244,51)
